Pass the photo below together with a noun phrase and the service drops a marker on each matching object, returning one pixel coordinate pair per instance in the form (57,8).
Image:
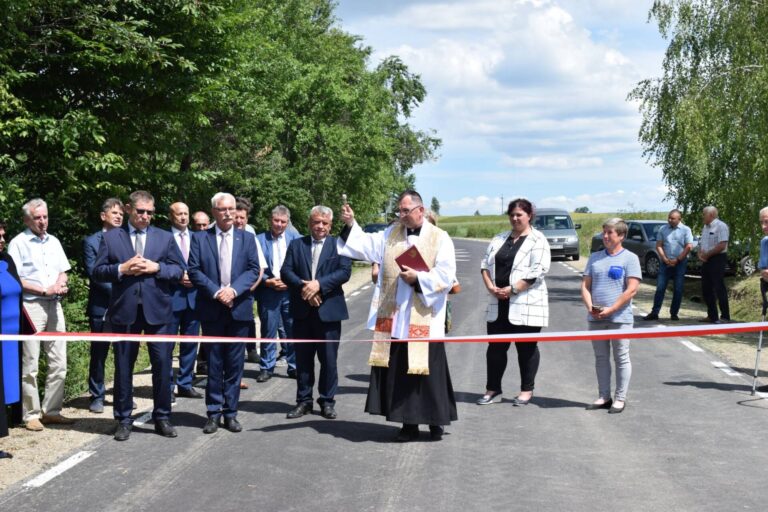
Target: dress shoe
(123,432)
(674,318)
(211,426)
(56,419)
(34,425)
(263,376)
(202,368)
(253,357)
(436,432)
(491,398)
(291,374)
(408,433)
(189,393)
(232,425)
(96,406)
(595,407)
(519,402)
(164,428)
(299,411)
(707,320)
(723,321)
(651,316)
(328,412)
(617,410)
(5,455)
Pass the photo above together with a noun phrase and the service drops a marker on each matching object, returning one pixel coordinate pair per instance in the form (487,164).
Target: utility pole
(502,204)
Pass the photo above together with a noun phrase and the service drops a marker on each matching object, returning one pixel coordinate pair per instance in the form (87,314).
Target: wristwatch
(514,290)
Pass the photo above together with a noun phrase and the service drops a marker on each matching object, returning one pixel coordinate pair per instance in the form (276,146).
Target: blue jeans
(677,275)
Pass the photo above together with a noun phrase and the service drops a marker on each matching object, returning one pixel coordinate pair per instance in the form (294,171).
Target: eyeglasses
(404,212)
(142,211)
(225,210)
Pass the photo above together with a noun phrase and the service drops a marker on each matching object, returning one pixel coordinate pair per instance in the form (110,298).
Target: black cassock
(413,399)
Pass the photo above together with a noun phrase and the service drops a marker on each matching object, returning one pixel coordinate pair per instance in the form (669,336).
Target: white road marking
(725,368)
(692,346)
(365,287)
(47,476)
(141,420)
(354,293)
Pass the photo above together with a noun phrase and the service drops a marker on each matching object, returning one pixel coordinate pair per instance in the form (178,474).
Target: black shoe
(97,406)
(202,368)
(299,411)
(123,432)
(232,425)
(651,316)
(291,374)
(188,393)
(707,320)
(5,455)
(674,318)
(436,432)
(407,433)
(263,376)
(165,429)
(596,407)
(328,412)
(617,410)
(253,357)
(211,426)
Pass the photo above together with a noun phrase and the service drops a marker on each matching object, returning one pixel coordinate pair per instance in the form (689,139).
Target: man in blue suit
(314,273)
(184,320)
(223,266)
(141,262)
(272,294)
(98,301)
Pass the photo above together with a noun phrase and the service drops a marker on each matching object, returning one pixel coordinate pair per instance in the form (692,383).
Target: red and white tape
(561,336)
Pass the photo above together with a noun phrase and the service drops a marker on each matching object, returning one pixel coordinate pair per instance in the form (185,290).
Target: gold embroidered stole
(421,314)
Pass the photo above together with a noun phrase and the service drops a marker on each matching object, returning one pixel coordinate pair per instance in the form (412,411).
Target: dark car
(375,228)
(641,240)
(739,259)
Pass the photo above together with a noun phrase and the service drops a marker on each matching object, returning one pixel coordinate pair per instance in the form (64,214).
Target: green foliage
(705,121)
(435,206)
(581,209)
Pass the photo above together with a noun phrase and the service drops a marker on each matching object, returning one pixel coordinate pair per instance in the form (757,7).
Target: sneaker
(97,406)
(651,316)
(34,425)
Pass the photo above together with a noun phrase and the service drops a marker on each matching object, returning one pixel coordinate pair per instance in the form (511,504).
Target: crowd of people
(204,274)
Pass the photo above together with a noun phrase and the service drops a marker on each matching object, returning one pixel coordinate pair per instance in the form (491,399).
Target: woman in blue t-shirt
(610,281)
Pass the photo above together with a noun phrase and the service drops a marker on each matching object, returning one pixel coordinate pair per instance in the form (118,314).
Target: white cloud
(468,205)
(553,162)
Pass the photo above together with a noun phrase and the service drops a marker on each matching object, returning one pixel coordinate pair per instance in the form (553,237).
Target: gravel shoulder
(34,452)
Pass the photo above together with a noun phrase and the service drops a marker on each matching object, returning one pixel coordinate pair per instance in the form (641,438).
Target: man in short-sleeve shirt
(713,248)
(673,244)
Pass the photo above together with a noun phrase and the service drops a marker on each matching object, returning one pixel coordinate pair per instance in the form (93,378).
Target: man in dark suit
(141,262)
(98,301)
(184,320)
(272,294)
(223,266)
(314,273)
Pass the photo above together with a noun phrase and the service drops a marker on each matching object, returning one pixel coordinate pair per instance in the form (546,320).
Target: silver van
(557,226)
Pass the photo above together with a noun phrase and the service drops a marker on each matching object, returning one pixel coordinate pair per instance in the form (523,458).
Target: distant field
(485,226)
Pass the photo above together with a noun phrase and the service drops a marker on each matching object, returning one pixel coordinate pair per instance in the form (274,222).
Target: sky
(529,98)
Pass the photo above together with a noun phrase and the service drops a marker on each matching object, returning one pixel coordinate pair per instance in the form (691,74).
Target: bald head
(180,216)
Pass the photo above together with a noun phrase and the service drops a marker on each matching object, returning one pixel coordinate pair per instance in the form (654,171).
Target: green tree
(705,121)
(435,206)
(581,209)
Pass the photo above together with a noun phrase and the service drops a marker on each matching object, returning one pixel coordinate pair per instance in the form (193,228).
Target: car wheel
(747,266)
(575,257)
(652,265)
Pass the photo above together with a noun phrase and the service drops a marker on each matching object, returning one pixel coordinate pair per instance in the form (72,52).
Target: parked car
(739,259)
(374,228)
(641,240)
(557,226)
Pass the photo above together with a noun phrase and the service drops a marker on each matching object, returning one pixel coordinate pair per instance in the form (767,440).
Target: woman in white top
(513,271)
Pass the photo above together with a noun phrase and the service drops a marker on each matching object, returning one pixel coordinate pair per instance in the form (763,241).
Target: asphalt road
(690,438)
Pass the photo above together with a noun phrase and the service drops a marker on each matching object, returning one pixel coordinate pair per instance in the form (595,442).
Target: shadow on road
(352,431)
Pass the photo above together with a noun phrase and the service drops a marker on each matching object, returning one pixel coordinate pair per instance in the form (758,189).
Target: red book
(412,258)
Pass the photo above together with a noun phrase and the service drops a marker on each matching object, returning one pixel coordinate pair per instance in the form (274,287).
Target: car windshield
(552,222)
(652,230)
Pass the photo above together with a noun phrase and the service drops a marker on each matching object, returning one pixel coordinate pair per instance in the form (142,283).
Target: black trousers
(713,286)
(496,356)
(312,328)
